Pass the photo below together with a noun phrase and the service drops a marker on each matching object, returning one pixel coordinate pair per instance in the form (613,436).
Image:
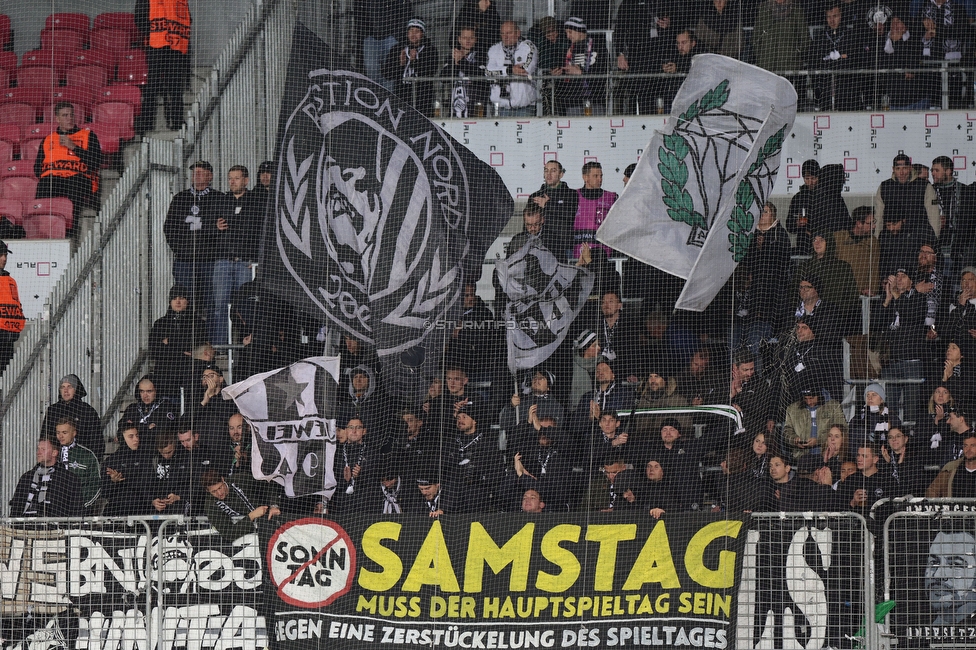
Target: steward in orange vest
(68,162)
(11,311)
(165,26)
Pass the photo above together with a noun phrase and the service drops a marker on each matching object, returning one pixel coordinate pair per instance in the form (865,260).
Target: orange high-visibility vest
(169,25)
(11,313)
(60,161)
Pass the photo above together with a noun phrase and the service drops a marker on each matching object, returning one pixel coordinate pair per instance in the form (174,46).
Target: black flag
(380,216)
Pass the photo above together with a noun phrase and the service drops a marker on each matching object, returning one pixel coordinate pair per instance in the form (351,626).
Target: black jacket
(191,224)
(64,495)
(126,497)
(85,417)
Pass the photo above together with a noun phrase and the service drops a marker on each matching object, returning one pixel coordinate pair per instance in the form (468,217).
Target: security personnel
(68,161)
(166,26)
(11,312)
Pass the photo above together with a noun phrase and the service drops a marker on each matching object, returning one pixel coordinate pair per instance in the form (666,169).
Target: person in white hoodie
(517,58)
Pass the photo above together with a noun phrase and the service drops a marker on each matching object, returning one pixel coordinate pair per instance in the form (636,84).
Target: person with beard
(957,479)
(902,319)
(657,496)
(908,200)
(808,422)
(837,285)
(680,459)
(537,392)
(539,460)
(150,411)
(171,342)
(868,485)
(700,382)
(593,204)
(414,56)
(956,206)
(801,207)
(70,393)
(860,248)
(435,495)
(475,462)
(751,395)
(237,458)
(658,390)
(123,483)
(168,477)
(611,490)
(958,319)
(618,332)
(512,63)
(48,489)
(415,443)
(353,467)
(585,54)
(719,28)
(804,361)
(835,48)
(929,282)
(675,61)
(467,60)
(212,412)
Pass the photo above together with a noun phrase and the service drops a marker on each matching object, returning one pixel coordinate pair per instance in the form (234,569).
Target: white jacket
(500,61)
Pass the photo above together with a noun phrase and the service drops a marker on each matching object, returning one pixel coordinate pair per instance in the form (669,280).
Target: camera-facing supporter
(958,319)
(751,394)
(364,400)
(200,455)
(836,47)
(68,162)
(836,286)
(512,64)
(904,463)
(932,431)
(611,489)
(608,436)
(414,443)
(80,461)
(440,406)
(559,205)
(593,204)
(413,56)
(150,412)
(959,374)
(536,390)
(675,60)
(657,495)
(468,60)
(953,483)
(907,199)
(47,489)
(475,462)
(71,392)
(902,318)
(124,481)
(680,457)
(618,330)
(354,466)
(869,484)
(745,476)
(212,411)
(585,54)
(955,202)
(871,424)
(236,452)
(606,395)
(480,14)
(657,389)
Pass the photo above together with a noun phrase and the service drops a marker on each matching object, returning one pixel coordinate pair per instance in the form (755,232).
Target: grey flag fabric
(698,190)
(291,414)
(544,298)
(379,215)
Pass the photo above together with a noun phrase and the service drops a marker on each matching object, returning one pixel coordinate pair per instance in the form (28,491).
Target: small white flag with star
(291,414)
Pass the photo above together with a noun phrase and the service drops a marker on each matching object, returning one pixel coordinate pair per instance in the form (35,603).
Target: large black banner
(380,216)
(504,581)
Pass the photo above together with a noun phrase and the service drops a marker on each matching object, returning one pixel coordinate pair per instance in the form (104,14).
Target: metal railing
(96,322)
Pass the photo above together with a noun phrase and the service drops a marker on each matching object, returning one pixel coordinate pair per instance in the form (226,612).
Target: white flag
(291,414)
(688,180)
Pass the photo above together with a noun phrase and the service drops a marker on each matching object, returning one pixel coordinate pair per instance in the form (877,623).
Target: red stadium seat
(6,34)
(13,210)
(104,58)
(35,97)
(117,20)
(133,68)
(88,77)
(29,149)
(21,188)
(45,226)
(8,61)
(35,131)
(62,39)
(60,206)
(6,152)
(4,79)
(74,21)
(23,115)
(108,139)
(10,133)
(111,39)
(16,168)
(120,93)
(120,115)
(38,77)
(57,59)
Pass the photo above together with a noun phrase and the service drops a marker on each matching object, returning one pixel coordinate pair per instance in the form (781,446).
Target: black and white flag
(291,414)
(544,298)
(379,214)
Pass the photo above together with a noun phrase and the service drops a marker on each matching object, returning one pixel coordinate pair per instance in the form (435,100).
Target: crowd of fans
(570,434)
(643,49)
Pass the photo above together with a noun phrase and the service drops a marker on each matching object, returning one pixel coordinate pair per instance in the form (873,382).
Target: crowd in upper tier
(633,57)
(564,436)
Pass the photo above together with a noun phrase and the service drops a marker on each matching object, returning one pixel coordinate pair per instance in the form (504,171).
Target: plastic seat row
(40,218)
(46,68)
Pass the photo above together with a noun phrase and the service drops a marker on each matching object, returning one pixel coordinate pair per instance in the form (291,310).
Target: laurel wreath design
(297,222)
(672,165)
(741,223)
